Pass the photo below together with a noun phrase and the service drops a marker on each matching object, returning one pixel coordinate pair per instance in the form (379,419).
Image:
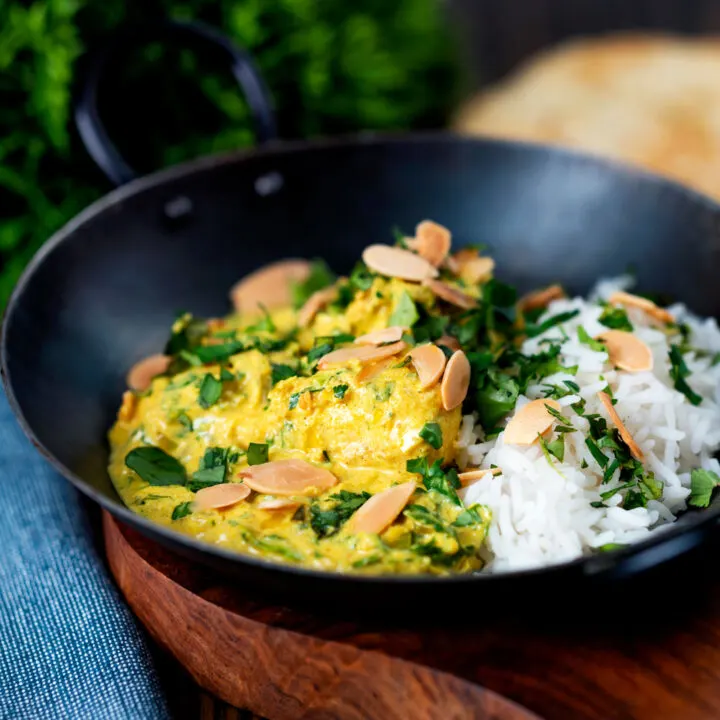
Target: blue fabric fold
(69,646)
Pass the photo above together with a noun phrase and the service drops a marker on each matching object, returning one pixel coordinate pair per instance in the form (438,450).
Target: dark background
(332,66)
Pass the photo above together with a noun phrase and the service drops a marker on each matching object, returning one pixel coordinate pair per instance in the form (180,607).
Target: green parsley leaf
(678,372)
(434,478)
(226,375)
(702,484)
(405,313)
(207,477)
(339,391)
(210,391)
(600,457)
(219,353)
(257,453)
(318,351)
(182,510)
(361,278)
(329,514)
(422,515)
(585,339)
(535,330)
(320,276)
(184,419)
(155,466)
(281,372)
(469,516)
(293,401)
(495,398)
(615,318)
(432,434)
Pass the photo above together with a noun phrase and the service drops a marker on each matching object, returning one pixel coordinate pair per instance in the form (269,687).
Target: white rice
(541,511)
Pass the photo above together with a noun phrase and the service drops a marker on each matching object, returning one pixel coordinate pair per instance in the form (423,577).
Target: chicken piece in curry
(316,425)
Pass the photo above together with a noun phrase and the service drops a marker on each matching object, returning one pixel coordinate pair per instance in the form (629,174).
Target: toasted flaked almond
(530,421)
(431,241)
(477,270)
(450,294)
(278,504)
(371,371)
(449,342)
(378,513)
(268,287)
(220,496)
(127,407)
(314,304)
(540,298)
(378,337)
(429,362)
(361,353)
(647,306)
(142,373)
(396,262)
(472,476)
(626,351)
(624,433)
(456,380)
(288,477)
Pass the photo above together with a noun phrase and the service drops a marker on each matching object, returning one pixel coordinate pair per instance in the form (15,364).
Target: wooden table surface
(648,649)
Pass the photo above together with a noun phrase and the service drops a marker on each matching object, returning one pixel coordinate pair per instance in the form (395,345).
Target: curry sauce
(369,427)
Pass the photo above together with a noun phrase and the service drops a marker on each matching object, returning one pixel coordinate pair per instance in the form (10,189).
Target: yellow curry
(317,424)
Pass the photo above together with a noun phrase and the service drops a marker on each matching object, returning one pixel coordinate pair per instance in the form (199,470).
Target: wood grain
(650,651)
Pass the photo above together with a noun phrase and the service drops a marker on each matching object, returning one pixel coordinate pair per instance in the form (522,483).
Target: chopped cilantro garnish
(585,339)
(535,330)
(361,278)
(155,466)
(280,372)
(318,351)
(257,453)
(182,510)
(210,391)
(226,375)
(405,313)
(339,391)
(185,420)
(326,516)
(435,478)
(432,434)
(678,372)
(615,318)
(702,484)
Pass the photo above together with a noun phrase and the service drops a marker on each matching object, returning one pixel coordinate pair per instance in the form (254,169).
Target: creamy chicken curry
(317,423)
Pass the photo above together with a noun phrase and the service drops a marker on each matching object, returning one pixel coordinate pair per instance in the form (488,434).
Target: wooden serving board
(651,652)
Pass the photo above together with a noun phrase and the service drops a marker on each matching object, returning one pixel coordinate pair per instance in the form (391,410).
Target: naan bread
(650,100)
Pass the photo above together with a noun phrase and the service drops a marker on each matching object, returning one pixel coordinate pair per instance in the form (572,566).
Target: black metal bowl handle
(90,127)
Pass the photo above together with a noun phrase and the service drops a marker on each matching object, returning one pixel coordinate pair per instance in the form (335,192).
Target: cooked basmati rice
(541,507)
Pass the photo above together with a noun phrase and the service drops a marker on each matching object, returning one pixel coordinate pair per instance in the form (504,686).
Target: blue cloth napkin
(69,647)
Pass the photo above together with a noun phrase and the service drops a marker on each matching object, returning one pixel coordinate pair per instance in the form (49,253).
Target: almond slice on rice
(477,270)
(626,351)
(278,504)
(449,342)
(540,298)
(429,362)
(220,496)
(314,304)
(432,242)
(398,263)
(450,294)
(624,432)
(456,380)
(142,373)
(361,353)
(288,477)
(530,421)
(369,372)
(470,477)
(269,287)
(647,306)
(379,512)
(378,337)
